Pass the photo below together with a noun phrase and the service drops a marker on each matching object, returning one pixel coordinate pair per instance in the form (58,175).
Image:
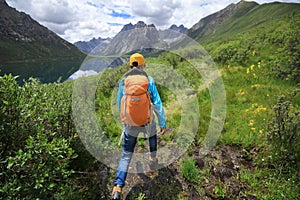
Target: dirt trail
(219,169)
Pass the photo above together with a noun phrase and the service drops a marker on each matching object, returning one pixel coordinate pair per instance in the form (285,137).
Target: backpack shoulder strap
(136,71)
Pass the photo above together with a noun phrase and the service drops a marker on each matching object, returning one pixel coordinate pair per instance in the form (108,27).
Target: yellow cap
(137,58)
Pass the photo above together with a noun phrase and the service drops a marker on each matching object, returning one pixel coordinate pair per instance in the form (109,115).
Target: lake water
(51,71)
(45,71)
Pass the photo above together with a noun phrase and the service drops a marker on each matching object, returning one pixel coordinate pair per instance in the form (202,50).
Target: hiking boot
(153,163)
(116,193)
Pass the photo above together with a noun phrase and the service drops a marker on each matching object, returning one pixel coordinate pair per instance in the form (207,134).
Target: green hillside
(208,26)
(275,42)
(250,17)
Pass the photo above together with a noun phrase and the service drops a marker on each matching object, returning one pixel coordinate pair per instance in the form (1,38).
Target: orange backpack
(135,103)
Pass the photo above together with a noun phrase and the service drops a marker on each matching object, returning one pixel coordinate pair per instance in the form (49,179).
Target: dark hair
(135,64)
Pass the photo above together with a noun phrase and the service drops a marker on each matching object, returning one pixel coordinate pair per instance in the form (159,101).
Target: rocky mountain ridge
(133,37)
(171,34)
(147,36)
(94,45)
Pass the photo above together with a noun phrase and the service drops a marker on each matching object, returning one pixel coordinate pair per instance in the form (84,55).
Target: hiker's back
(135,104)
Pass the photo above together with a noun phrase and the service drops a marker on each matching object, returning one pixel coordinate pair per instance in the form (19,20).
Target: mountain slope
(22,38)
(133,37)
(239,18)
(93,46)
(210,24)
(172,33)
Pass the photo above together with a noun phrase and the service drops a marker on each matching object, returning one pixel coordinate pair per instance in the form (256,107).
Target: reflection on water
(94,65)
(51,71)
(45,71)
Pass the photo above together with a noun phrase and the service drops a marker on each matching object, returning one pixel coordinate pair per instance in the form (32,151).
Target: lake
(51,71)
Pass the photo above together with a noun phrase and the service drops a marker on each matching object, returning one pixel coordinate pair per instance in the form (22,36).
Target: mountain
(94,46)
(133,37)
(139,37)
(180,28)
(240,18)
(212,22)
(172,33)
(22,38)
(236,18)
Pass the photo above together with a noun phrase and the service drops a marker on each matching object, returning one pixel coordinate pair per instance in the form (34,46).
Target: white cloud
(88,29)
(76,20)
(196,10)
(156,11)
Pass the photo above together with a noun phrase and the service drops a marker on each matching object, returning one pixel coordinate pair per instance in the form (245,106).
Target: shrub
(38,141)
(284,132)
(287,64)
(231,53)
(40,169)
(189,170)
(9,115)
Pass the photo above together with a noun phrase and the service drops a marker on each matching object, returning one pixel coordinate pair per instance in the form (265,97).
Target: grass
(251,92)
(249,103)
(266,184)
(189,170)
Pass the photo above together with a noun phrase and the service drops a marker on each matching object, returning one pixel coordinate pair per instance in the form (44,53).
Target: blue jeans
(130,139)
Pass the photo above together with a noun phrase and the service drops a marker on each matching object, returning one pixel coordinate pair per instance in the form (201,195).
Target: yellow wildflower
(253,129)
(251,122)
(252,67)
(261,131)
(254,105)
(248,70)
(259,65)
(255,86)
(241,92)
(259,109)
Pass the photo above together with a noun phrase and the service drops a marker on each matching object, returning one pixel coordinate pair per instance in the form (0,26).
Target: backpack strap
(136,71)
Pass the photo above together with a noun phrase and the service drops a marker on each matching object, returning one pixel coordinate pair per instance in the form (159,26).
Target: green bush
(9,115)
(40,169)
(39,143)
(284,133)
(189,170)
(287,63)
(232,53)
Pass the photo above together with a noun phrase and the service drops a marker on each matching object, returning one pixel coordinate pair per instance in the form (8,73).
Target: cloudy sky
(81,20)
